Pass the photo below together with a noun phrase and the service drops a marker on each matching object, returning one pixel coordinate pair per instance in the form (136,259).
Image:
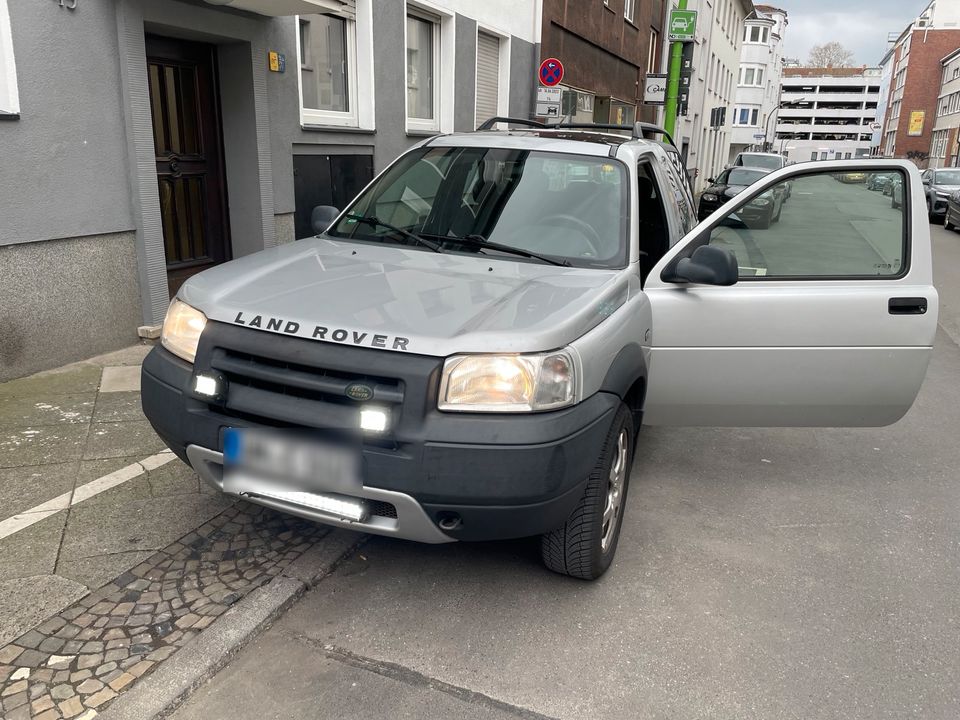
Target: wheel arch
(627,379)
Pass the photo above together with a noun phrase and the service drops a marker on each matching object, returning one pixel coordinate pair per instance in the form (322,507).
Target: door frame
(164,47)
(246,129)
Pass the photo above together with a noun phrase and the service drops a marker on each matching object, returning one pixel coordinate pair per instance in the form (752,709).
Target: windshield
(771,162)
(737,176)
(947,177)
(565,207)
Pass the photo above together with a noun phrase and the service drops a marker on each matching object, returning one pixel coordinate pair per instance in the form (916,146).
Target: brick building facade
(914,91)
(607,48)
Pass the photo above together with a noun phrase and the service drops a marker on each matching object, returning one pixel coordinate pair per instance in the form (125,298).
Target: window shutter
(341,8)
(488,76)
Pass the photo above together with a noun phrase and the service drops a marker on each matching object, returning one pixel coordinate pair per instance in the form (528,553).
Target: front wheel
(585,545)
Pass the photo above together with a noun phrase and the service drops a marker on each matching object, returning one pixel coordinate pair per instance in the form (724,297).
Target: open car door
(817,312)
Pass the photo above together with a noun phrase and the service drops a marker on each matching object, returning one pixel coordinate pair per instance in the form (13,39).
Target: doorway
(188,142)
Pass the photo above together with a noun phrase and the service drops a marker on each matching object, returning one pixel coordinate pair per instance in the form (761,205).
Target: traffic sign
(551,72)
(548,101)
(683,25)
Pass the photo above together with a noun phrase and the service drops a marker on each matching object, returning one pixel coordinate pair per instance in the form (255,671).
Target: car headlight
(760,201)
(181,330)
(508,383)
(942,194)
(709,197)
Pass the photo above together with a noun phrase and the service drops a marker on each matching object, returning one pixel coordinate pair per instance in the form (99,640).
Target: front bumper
(503,476)
(938,205)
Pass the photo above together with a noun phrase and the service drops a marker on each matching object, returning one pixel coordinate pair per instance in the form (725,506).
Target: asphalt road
(798,573)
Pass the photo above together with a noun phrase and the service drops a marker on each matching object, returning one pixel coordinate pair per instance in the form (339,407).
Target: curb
(164,690)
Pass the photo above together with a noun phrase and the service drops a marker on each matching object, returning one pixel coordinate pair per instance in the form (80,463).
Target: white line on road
(86,491)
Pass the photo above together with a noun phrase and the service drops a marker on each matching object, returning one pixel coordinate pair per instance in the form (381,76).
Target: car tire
(947,225)
(584,546)
(776,218)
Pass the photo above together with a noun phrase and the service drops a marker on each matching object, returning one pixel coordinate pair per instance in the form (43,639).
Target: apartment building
(914,87)
(944,145)
(706,131)
(145,140)
(607,48)
(831,114)
(758,81)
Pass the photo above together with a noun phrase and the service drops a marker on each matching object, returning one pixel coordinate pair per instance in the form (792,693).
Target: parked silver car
(468,350)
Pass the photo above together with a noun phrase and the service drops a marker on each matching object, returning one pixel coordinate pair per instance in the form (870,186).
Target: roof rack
(637,130)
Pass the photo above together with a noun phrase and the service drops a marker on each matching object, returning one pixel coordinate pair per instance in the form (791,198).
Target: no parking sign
(551,72)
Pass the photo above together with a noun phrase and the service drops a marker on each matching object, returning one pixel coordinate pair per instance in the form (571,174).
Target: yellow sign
(916,123)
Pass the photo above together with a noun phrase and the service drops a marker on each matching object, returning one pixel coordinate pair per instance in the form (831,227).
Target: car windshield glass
(744,177)
(564,207)
(947,177)
(772,162)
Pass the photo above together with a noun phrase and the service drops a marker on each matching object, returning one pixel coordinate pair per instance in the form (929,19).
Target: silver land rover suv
(468,350)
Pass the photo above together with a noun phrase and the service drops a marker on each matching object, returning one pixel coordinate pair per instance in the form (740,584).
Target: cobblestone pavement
(75,663)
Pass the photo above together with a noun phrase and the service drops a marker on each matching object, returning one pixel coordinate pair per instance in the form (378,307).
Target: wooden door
(187,136)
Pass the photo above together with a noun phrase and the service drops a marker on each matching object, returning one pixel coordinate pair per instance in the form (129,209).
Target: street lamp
(767,145)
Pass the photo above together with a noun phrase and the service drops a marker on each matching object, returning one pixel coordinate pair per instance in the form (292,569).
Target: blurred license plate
(290,462)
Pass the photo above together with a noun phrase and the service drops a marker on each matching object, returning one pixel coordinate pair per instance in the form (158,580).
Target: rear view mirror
(708,265)
(322,216)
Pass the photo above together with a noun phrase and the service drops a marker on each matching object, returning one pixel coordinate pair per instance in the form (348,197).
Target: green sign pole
(673,81)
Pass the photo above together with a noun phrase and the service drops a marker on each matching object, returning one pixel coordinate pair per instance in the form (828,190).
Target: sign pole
(673,81)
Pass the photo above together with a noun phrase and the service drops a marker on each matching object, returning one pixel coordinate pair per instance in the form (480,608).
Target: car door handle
(907,306)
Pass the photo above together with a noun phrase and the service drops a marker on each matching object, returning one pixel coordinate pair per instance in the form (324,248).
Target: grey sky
(860,25)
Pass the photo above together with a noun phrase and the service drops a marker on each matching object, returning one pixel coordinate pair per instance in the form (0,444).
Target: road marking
(23,520)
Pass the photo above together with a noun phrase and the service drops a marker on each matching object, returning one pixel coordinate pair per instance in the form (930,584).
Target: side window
(822,225)
(673,169)
(653,236)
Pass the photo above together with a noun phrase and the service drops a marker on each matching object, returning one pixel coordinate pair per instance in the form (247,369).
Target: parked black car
(939,185)
(760,213)
(951,219)
(879,181)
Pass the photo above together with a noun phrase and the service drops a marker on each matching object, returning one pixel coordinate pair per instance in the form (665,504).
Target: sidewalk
(113,554)
(76,427)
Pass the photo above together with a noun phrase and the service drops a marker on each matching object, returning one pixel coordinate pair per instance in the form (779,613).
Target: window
(746,116)
(520,198)
(653,55)
(819,233)
(628,8)
(751,75)
(823,155)
(757,34)
(813,155)
(335,63)
(423,72)
(9,99)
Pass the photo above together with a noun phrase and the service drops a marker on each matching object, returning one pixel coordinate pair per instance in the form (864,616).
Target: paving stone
(60,676)
(19,712)
(37,690)
(14,688)
(48,715)
(51,626)
(15,701)
(114,655)
(70,708)
(43,675)
(94,646)
(31,658)
(100,698)
(31,639)
(20,674)
(118,643)
(88,715)
(52,645)
(89,686)
(62,692)
(87,661)
(9,653)
(140,668)
(106,668)
(123,681)
(80,676)
(162,654)
(68,632)
(41,704)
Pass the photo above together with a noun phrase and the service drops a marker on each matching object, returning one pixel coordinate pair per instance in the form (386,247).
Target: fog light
(373,420)
(206,385)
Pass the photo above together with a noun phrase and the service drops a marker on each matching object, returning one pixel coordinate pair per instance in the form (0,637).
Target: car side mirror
(708,265)
(926,181)
(322,216)
(711,180)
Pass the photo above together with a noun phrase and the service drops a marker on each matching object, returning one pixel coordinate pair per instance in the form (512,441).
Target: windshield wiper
(375,222)
(479,241)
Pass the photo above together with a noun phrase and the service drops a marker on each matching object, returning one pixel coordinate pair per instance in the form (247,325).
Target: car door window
(830,226)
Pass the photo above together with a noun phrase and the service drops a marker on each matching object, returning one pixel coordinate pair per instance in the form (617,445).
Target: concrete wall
(63,165)
(66,300)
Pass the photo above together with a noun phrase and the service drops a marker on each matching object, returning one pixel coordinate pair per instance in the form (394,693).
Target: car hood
(949,189)
(407,300)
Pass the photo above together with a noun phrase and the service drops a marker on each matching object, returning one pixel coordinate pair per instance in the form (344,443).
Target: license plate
(290,462)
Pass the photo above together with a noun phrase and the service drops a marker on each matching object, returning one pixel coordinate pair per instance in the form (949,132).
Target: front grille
(288,394)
